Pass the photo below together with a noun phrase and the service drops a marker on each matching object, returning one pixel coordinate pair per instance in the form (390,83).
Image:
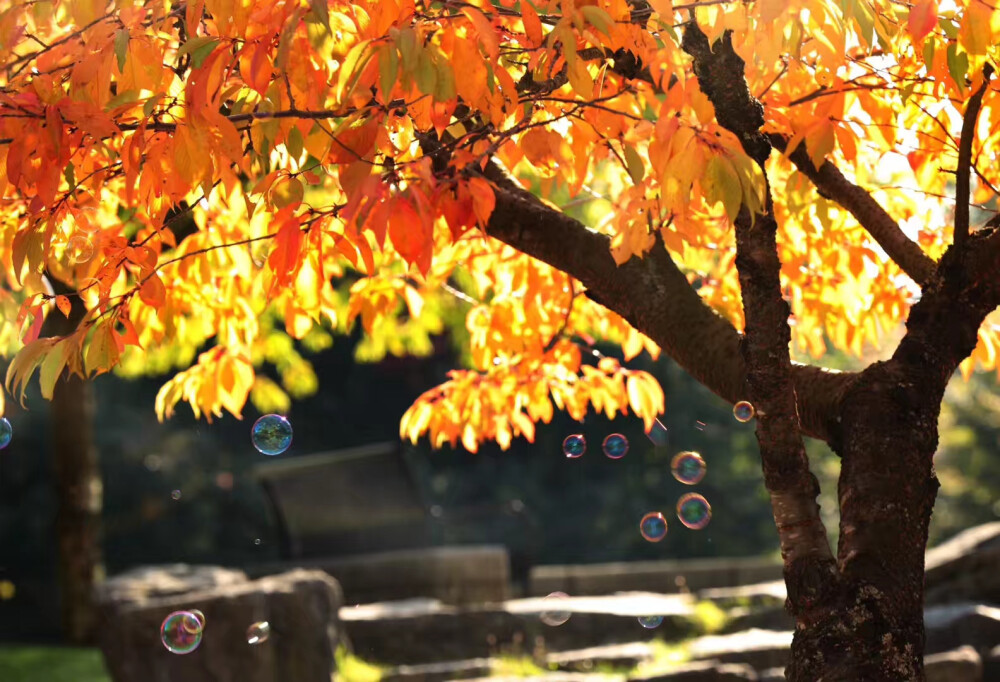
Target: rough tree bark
(861,617)
(78,490)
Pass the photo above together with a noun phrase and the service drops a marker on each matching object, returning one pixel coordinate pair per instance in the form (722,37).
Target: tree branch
(810,570)
(965,159)
(655,297)
(832,184)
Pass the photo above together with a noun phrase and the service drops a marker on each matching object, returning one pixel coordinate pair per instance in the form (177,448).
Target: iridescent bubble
(650,622)
(653,527)
(175,495)
(743,411)
(694,511)
(615,446)
(574,445)
(6,432)
(181,632)
(258,632)
(200,616)
(688,467)
(553,615)
(658,434)
(79,249)
(272,434)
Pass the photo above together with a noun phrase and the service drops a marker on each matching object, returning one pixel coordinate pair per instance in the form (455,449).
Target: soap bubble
(743,411)
(181,632)
(79,249)
(574,445)
(653,526)
(272,434)
(694,511)
(615,446)
(658,434)
(553,615)
(258,632)
(688,467)
(6,432)
(175,495)
(650,622)
(200,616)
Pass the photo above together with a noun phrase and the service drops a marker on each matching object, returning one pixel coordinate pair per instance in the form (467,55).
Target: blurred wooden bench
(359,515)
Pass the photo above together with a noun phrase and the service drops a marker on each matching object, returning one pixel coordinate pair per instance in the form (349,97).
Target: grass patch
(350,668)
(709,617)
(51,664)
(515,666)
(665,657)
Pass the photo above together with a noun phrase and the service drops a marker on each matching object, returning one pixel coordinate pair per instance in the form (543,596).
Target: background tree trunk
(79,494)
(78,488)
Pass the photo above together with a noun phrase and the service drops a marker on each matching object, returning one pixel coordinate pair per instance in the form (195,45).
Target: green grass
(350,668)
(710,617)
(515,666)
(51,664)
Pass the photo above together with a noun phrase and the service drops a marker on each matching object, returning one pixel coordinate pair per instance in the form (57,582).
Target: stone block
(300,607)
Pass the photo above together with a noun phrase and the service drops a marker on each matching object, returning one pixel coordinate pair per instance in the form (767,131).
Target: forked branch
(963,170)
(832,184)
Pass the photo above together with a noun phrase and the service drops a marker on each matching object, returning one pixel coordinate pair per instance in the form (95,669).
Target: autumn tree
(674,177)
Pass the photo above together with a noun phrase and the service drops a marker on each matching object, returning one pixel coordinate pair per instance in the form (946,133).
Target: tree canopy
(225,176)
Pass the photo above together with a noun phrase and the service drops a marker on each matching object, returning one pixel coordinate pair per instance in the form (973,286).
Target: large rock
(960,665)
(439,672)
(965,567)
(758,595)
(652,576)
(949,627)
(454,575)
(425,630)
(704,671)
(301,608)
(760,649)
(611,656)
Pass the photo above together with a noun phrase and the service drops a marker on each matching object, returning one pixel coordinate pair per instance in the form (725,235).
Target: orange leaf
(483,199)
(532,24)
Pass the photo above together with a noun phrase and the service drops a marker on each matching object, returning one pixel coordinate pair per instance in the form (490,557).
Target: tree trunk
(78,488)
(872,628)
(79,495)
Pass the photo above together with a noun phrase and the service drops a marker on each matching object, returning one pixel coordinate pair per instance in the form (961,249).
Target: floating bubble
(6,432)
(688,467)
(653,527)
(574,445)
(175,495)
(743,411)
(615,446)
(258,632)
(553,615)
(200,616)
(650,622)
(79,249)
(181,632)
(272,434)
(658,434)
(694,511)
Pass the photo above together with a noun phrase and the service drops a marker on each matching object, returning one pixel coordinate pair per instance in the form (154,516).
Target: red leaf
(285,258)
(923,17)
(406,230)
